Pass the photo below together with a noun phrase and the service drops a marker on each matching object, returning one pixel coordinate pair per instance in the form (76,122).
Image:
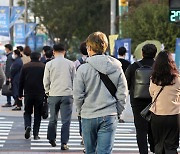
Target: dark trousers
(80,125)
(64,104)
(143,128)
(36,102)
(165,131)
(9,99)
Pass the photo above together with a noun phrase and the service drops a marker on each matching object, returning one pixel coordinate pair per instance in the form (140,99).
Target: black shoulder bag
(146,113)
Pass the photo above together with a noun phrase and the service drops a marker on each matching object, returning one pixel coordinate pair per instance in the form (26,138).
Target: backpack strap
(139,64)
(81,60)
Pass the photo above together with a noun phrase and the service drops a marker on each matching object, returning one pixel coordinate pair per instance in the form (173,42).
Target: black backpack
(142,81)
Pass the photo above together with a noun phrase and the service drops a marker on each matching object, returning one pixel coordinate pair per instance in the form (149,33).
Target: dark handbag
(146,113)
(44,110)
(7,90)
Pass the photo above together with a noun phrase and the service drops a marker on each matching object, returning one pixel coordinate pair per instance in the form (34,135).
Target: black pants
(165,131)
(33,101)
(143,128)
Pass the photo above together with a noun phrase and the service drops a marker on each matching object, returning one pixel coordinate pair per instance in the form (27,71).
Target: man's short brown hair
(98,42)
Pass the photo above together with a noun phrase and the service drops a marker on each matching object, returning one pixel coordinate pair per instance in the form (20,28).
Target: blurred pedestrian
(143,128)
(122,53)
(125,63)
(166,109)
(84,53)
(31,82)
(58,80)
(25,59)
(15,74)
(94,102)
(27,52)
(43,57)
(9,61)
(2,77)
(48,56)
(78,63)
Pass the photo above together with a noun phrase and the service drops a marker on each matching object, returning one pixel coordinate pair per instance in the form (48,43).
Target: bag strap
(109,84)
(158,94)
(81,60)
(139,64)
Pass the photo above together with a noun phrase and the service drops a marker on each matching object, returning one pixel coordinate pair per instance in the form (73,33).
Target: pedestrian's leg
(53,102)
(150,138)
(9,100)
(66,112)
(89,132)
(141,126)
(28,110)
(37,114)
(27,116)
(106,134)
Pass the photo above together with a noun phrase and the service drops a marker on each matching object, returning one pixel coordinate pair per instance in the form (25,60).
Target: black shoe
(84,151)
(27,132)
(7,105)
(14,104)
(53,143)
(121,121)
(82,142)
(36,137)
(64,147)
(16,108)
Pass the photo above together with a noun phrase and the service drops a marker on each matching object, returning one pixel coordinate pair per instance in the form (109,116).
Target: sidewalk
(7,111)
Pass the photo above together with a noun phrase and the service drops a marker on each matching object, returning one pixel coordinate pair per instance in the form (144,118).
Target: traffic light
(174,11)
(123,2)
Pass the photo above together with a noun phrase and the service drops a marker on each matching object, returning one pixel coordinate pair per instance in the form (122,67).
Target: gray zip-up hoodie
(91,96)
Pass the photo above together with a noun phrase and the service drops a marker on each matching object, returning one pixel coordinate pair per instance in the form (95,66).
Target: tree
(67,18)
(150,21)
(72,20)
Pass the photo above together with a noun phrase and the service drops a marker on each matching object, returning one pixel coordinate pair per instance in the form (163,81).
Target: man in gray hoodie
(97,107)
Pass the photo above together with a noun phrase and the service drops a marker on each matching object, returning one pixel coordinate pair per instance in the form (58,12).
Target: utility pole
(123,7)
(11,29)
(113,17)
(25,17)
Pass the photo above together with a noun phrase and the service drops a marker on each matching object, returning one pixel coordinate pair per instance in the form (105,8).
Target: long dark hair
(164,69)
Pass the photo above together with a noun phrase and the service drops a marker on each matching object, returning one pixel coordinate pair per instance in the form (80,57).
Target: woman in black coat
(15,74)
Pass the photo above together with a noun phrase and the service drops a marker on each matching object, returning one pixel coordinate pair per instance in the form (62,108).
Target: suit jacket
(31,79)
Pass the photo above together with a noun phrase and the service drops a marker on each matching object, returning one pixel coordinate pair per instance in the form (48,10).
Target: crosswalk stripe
(125,138)
(6,122)
(5,127)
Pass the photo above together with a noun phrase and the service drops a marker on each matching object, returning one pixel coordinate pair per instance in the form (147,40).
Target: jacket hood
(104,64)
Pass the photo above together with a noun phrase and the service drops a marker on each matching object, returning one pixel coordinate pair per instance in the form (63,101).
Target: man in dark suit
(9,61)
(142,126)
(122,52)
(31,81)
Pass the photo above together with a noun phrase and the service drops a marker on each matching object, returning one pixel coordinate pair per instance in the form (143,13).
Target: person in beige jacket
(166,109)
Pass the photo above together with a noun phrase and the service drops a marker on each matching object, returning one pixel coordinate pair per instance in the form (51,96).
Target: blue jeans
(99,134)
(64,104)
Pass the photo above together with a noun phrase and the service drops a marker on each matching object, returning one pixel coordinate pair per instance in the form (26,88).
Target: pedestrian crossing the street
(5,127)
